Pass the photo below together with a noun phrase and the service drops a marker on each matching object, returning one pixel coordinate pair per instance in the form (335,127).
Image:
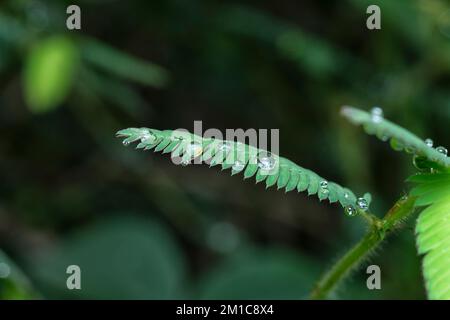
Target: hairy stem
(377,231)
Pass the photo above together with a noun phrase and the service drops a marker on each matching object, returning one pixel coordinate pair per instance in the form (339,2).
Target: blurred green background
(140,227)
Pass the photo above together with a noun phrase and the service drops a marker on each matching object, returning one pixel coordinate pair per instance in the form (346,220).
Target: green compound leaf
(274,170)
(433,231)
(123,65)
(400,138)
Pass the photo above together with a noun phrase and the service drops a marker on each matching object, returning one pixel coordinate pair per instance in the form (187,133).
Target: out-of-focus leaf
(115,91)
(271,274)
(12,35)
(397,16)
(13,282)
(123,258)
(49,73)
(123,65)
(11,31)
(308,52)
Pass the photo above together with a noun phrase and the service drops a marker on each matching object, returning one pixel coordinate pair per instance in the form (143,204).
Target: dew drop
(241,146)
(193,150)
(177,136)
(238,166)
(266,161)
(125,143)
(376,114)
(410,149)
(397,145)
(350,211)
(148,137)
(429,142)
(362,204)
(324,186)
(382,136)
(224,147)
(185,162)
(442,150)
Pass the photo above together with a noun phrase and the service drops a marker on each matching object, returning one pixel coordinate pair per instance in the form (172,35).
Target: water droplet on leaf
(148,137)
(350,211)
(376,114)
(324,186)
(382,136)
(238,166)
(266,161)
(193,150)
(397,145)
(442,150)
(410,149)
(362,204)
(429,142)
(224,147)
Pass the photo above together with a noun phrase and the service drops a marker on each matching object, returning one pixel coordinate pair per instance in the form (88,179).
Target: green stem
(375,235)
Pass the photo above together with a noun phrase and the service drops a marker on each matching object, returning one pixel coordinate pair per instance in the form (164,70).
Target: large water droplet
(376,114)
(397,145)
(362,204)
(350,211)
(266,161)
(240,145)
(224,147)
(148,137)
(429,142)
(177,136)
(125,143)
(238,166)
(382,135)
(324,186)
(193,150)
(410,149)
(442,150)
